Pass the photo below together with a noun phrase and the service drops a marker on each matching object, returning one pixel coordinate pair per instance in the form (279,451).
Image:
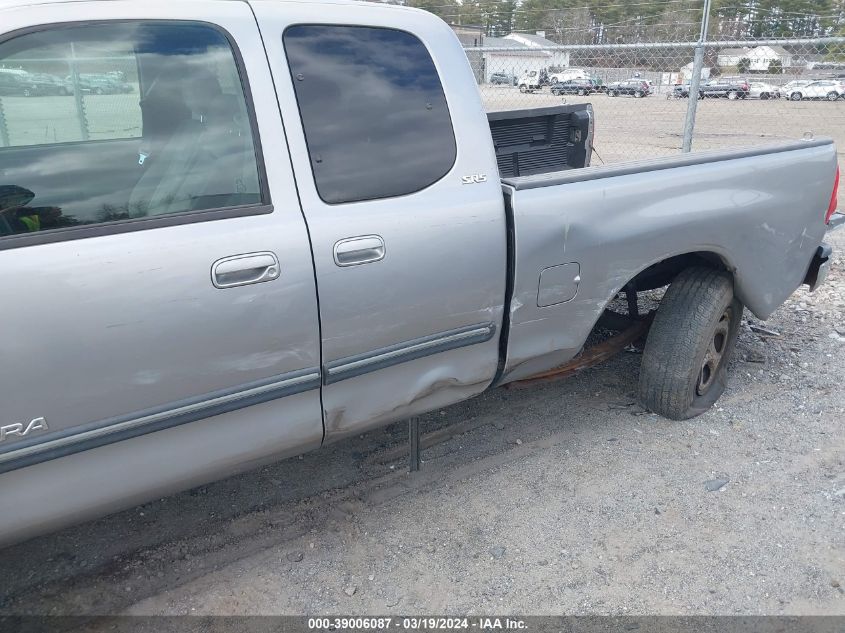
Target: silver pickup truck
(295,222)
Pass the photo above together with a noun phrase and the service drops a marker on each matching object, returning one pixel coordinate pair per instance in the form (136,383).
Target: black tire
(732,95)
(611,93)
(684,365)
(638,94)
(764,96)
(796,96)
(832,96)
(581,92)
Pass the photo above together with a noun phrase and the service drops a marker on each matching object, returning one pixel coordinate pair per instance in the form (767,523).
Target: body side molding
(353,366)
(27,453)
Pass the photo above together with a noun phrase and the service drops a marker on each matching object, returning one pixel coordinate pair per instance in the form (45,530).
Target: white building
(759,57)
(686,74)
(559,59)
(528,52)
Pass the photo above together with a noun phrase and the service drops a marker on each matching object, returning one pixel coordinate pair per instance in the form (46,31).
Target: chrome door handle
(242,270)
(363,249)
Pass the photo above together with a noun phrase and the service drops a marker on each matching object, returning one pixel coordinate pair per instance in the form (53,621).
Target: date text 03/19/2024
(415,623)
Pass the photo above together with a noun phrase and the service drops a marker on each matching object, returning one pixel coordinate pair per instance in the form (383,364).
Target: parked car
(45,84)
(577,86)
(788,88)
(763,90)
(679,91)
(15,83)
(727,87)
(568,73)
(100,84)
(647,83)
(530,81)
(503,78)
(634,87)
(829,89)
(228,303)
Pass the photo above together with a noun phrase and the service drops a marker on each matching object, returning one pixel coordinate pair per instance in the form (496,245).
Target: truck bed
(542,140)
(758,212)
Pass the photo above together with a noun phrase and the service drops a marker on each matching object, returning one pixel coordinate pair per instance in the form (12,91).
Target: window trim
(302,120)
(118,227)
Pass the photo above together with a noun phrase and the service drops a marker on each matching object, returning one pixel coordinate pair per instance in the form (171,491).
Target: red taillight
(831,208)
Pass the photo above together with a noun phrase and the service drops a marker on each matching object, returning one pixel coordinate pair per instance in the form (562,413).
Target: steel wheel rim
(715,354)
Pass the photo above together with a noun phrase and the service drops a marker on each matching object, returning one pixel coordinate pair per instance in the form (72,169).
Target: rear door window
(373,109)
(121,121)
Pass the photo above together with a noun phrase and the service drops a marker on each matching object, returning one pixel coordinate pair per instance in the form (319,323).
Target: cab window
(118,122)
(373,110)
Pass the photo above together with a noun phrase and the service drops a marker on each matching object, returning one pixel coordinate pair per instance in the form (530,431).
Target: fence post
(695,80)
(82,116)
(4,131)
(692,106)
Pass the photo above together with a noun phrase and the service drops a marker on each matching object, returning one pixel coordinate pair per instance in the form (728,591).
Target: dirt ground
(564,498)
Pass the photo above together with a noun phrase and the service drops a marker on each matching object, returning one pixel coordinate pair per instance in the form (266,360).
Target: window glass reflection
(121,121)
(372,105)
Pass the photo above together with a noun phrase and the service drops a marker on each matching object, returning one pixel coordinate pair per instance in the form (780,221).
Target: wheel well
(616,317)
(663,272)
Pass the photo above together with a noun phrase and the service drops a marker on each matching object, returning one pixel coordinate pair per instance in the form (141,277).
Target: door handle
(363,249)
(242,270)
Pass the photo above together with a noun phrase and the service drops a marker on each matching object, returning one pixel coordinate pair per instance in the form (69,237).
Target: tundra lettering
(18,429)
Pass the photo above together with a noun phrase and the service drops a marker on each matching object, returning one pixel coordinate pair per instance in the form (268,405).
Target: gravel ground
(564,498)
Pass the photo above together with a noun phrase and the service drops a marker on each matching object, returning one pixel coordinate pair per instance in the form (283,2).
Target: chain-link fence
(66,96)
(750,92)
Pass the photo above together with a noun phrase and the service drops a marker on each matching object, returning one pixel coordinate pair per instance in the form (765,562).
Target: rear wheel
(732,95)
(639,94)
(832,96)
(611,93)
(523,88)
(764,95)
(684,366)
(581,92)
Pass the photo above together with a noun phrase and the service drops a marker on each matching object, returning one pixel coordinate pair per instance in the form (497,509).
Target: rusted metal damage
(591,356)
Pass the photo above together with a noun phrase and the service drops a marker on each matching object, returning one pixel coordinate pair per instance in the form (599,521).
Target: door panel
(411,274)
(124,333)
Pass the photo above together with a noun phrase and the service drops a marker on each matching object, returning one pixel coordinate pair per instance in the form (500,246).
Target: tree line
(618,21)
